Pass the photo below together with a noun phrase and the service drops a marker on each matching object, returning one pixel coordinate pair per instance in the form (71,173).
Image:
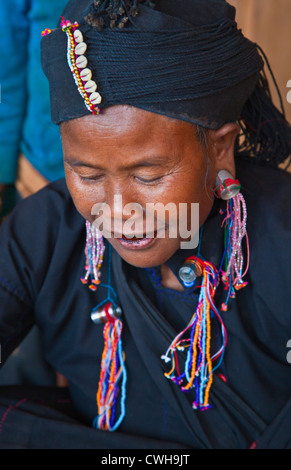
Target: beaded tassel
(112,373)
(235,231)
(94,256)
(198,370)
(46,32)
(113,369)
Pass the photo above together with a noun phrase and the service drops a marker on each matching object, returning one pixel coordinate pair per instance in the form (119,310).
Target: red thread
(10,408)
(223,378)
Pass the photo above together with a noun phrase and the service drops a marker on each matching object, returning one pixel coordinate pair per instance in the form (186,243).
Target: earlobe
(223,140)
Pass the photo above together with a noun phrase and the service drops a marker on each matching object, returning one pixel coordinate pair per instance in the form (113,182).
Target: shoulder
(43,216)
(46,207)
(262,181)
(55,192)
(42,232)
(267,192)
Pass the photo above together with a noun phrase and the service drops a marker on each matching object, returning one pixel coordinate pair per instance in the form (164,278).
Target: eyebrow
(147,162)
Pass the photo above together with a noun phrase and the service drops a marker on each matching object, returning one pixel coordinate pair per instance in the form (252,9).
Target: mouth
(136,243)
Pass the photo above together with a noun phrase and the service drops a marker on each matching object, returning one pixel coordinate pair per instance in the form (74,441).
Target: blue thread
(174,294)
(200,241)
(123,387)
(112,297)
(111,294)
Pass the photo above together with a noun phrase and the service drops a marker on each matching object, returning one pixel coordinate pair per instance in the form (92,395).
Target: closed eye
(88,179)
(148,180)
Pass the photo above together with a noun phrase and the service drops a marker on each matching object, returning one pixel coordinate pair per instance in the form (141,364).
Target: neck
(169,280)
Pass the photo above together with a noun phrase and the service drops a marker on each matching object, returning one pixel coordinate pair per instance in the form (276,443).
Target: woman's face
(130,156)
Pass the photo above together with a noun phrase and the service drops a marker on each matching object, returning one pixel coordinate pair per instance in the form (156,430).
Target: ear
(222,143)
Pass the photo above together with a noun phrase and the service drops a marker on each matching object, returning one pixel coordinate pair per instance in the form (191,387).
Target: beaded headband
(78,64)
(185,59)
(143,63)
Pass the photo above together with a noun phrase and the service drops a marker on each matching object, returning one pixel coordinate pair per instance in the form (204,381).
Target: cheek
(192,185)
(197,187)
(84,196)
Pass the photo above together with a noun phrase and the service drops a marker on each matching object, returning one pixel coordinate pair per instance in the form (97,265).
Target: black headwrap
(185,59)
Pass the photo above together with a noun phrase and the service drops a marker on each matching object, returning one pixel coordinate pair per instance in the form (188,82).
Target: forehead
(127,122)
(123,136)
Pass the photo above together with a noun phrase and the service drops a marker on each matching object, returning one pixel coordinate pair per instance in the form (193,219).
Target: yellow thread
(104,354)
(193,368)
(208,338)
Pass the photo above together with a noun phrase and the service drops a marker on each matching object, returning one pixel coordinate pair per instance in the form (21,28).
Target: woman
(184,345)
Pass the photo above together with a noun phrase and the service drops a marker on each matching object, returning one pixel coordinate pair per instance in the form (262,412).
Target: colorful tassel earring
(198,364)
(232,269)
(195,340)
(113,375)
(94,256)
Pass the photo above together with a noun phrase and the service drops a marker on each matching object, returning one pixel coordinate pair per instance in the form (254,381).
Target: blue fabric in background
(25,120)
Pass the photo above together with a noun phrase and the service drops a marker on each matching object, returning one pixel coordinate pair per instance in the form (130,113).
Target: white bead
(95,98)
(81,48)
(86,75)
(78,36)
(90,86)
(81,62)
(165,358)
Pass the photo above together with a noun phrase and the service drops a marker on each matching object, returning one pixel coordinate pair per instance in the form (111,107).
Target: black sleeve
(26,243)
(267,193)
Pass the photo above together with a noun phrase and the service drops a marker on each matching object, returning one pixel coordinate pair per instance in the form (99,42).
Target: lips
(135,243)
(133,240)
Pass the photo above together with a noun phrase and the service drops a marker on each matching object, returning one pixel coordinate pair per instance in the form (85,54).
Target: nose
(119,209)
(118,194)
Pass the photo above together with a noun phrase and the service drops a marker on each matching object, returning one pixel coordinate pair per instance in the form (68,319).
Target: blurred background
(268,23)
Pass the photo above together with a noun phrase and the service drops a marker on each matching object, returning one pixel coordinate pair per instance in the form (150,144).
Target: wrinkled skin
(144,157)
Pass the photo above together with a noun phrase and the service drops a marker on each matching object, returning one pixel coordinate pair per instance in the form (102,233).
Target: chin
(155,253)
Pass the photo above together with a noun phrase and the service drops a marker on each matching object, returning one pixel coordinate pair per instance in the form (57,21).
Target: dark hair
(114,13)
(265,132)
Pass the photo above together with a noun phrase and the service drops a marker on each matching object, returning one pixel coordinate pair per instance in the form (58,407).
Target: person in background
(30,144)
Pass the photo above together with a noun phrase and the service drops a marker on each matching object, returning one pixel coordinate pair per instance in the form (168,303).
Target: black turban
(185,59)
